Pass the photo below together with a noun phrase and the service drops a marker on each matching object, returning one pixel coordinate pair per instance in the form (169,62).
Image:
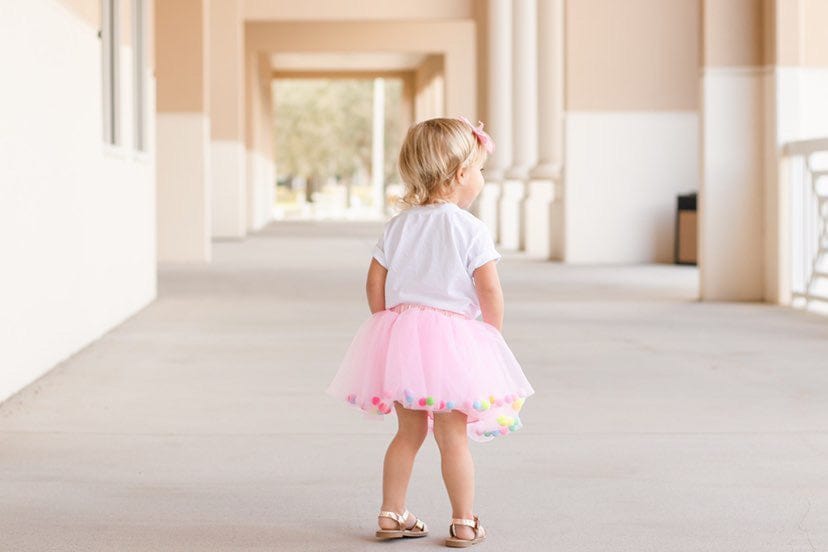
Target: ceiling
(333,61)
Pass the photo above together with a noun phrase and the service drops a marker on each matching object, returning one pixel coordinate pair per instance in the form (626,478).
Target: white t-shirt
(431,252)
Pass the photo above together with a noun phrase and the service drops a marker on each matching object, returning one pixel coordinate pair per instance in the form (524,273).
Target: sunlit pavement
(659,423)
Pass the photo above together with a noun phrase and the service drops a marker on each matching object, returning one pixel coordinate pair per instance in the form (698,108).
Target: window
(110,42)
(139,65)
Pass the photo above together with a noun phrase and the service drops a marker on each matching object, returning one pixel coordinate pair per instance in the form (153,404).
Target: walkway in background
(658,423)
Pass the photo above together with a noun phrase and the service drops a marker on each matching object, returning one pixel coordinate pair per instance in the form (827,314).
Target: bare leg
(458,467)
(399,461)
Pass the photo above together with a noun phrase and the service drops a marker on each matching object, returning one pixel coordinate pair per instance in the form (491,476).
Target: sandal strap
(469,522)
(473,523)
(399,518)
(420,524)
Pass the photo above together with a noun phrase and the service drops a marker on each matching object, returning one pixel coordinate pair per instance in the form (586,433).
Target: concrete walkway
(659,423)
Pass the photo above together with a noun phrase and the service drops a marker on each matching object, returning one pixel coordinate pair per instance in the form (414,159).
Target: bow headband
(482,137)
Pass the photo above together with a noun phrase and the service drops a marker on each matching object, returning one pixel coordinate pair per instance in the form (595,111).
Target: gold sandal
(419,529)
(455,542)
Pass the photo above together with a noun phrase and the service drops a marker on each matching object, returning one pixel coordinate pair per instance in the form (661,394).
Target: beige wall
(88,10)
(801,34)
(631,126)
(815,33)
(181,28)
(79,253)
(226,70)
(364,10)
(617,59)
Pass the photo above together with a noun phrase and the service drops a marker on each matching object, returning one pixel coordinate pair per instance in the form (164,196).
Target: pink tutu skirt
(435,360)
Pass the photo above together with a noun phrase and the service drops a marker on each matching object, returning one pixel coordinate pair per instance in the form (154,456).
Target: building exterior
(135,132)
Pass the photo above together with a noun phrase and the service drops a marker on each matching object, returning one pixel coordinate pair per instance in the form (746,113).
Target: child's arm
(375,286)
(489,293)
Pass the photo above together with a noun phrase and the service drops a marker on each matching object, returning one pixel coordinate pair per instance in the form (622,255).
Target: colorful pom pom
(505,420)
(430,401)
(422,402)
(375,401)
(450,405)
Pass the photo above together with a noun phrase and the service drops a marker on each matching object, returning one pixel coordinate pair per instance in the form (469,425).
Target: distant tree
(323,127)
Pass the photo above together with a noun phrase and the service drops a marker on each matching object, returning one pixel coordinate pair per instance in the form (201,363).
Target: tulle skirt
(435,360)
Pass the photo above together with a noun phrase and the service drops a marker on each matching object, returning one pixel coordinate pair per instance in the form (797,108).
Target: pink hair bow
(482,137)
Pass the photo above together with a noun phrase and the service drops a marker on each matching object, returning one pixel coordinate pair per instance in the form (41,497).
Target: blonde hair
(431,154)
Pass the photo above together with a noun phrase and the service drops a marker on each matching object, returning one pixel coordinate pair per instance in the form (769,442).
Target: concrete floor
(659,423)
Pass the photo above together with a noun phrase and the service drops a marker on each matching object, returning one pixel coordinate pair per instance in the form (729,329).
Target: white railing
(807,165)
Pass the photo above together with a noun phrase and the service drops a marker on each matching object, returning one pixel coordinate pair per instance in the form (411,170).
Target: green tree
(322,127)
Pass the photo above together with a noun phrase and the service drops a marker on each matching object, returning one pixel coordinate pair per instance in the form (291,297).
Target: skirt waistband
(405,306)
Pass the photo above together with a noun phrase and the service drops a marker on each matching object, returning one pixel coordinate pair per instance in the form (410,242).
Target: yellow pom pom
(517,404)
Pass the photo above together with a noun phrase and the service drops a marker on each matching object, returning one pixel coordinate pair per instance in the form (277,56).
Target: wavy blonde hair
(431,154)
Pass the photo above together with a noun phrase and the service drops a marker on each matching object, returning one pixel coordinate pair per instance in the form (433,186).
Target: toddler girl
(422,353)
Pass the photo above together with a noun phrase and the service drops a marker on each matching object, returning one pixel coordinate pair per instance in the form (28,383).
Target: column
(183,130)
(499,125)
(258,140)
(228,162)
(377,147)
(267,182)
(731,247)
(544,212)
(525,125)
(407,107)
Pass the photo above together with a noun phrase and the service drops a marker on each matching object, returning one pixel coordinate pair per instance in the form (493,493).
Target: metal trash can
(686,230)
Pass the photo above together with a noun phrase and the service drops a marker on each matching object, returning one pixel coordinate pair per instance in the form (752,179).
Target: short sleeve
(379,251)
(481,250)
